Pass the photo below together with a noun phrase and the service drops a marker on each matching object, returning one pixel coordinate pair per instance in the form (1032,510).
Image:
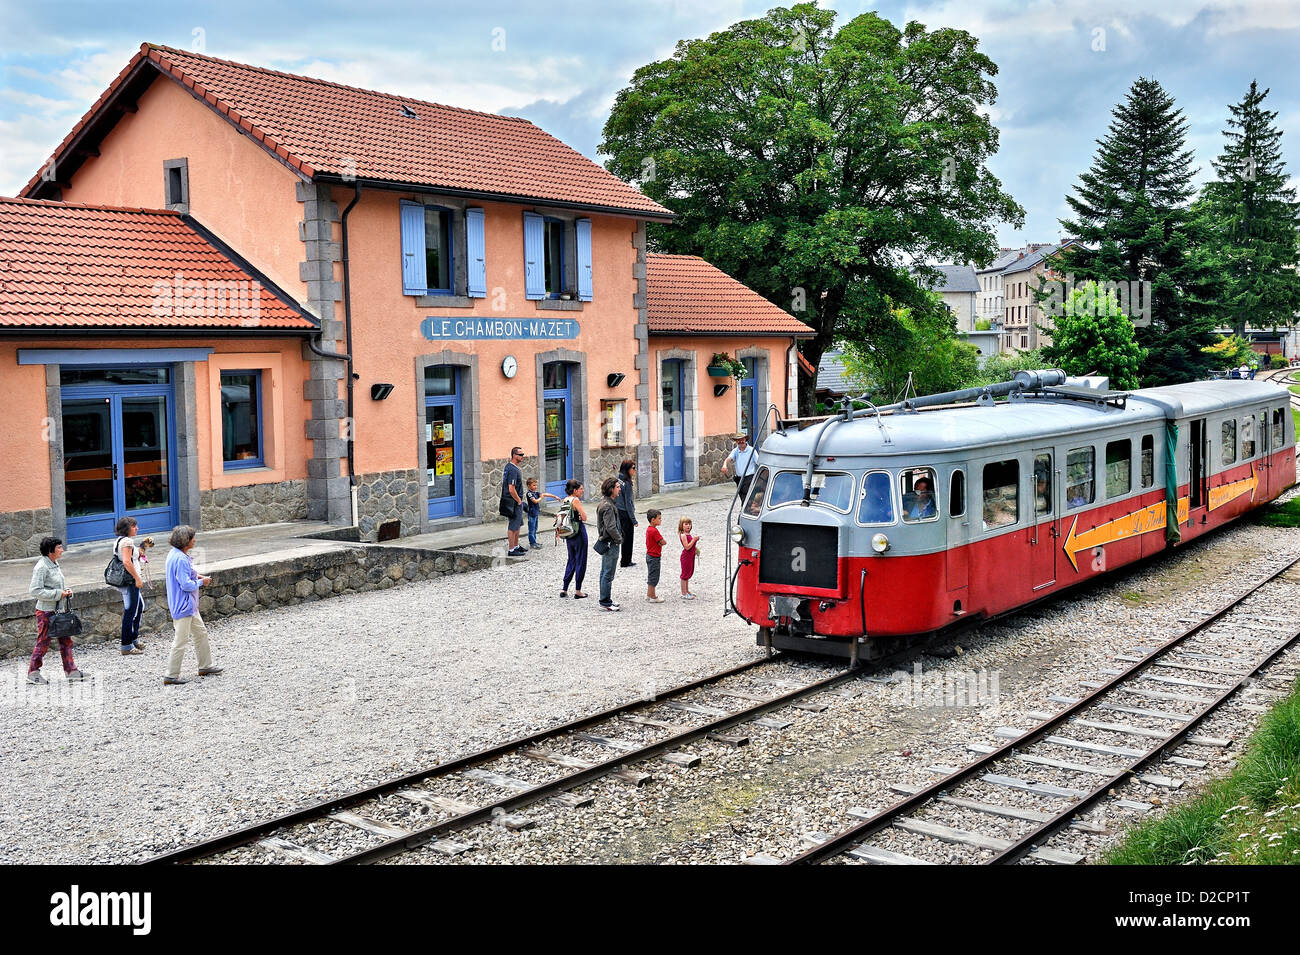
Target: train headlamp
(737,533)
(880,543)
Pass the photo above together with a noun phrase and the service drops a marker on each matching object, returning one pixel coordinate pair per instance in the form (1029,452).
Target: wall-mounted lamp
(720,390)
(615,378)
(380,390)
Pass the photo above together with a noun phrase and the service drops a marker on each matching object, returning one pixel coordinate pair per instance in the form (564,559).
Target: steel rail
(240,837)
(483,814)
(841,841)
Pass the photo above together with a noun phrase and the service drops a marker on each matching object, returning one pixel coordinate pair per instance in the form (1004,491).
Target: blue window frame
(428,258)
(241,420)
(553,256)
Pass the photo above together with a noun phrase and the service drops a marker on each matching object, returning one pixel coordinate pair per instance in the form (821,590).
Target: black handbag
(601,547)
(116,574)
(507,506)
(64,623)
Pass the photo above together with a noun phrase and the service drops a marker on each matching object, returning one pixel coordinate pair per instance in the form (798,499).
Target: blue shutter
(414,279)
(584,259)
(476,247)
(534,250)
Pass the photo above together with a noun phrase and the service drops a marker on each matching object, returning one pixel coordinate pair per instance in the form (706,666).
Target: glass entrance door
(674,430)
(443,465)
(557,426)
(118,458)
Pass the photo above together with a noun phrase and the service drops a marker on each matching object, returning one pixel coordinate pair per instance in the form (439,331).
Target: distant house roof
(1005,258)
(687,295)
(831,375)
(1034,258)
(957,278)
(80,266)
(317,128)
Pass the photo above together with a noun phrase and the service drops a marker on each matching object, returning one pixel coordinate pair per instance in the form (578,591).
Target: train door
(1046,528)
(1198,472)
(958,553)
(1264,469)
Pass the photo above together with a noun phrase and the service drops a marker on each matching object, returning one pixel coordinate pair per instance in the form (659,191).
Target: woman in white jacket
(49,587)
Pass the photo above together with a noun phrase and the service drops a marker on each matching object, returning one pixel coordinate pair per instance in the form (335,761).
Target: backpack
(566,520)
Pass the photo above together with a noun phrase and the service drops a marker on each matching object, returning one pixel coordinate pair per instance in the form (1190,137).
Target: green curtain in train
(1172,535)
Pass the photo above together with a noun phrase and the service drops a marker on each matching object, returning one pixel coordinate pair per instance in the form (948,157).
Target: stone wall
(244,590)
(493,473)
(713,450)
(252,504)
(605,463)
(21,532)
(387,496)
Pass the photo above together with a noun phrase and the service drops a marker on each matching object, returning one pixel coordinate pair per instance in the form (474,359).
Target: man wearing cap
(745,462)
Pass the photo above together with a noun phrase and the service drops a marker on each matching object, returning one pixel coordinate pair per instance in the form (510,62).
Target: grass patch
(1250,818)
(1282,515)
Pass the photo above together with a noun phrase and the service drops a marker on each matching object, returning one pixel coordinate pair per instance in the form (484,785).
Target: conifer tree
(1133,217)
(1253,215)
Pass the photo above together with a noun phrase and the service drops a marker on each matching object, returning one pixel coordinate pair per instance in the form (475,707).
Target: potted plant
(722,365)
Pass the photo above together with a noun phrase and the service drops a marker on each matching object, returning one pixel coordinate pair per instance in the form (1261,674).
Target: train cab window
(1001,493)
(957,494)
(1043,484)
(917,488)
(757,488)
(1248,437)
(1148,460)
(1080,486)
(1119,467)
(834,490)
(877,505)
(1279,432)
(1228,453)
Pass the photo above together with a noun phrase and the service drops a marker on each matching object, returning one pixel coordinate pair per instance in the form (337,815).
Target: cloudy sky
(1063,64)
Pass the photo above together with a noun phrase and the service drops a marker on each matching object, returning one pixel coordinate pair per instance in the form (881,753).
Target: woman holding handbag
(49,587)
(125,567)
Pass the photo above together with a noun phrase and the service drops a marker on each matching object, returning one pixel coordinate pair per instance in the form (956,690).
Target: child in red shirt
(654,549)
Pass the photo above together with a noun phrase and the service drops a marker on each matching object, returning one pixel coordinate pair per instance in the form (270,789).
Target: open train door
(1046,523)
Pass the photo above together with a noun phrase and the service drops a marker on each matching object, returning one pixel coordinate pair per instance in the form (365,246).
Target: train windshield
(832,489)
(877,505)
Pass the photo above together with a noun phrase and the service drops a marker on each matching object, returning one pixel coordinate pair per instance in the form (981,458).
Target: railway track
(1168,690)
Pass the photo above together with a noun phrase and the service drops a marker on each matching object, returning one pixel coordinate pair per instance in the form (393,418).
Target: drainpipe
(352,376)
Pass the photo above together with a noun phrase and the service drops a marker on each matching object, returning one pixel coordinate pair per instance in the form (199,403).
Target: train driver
(919,504)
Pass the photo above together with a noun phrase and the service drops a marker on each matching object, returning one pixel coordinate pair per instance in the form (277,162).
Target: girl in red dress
(690,547)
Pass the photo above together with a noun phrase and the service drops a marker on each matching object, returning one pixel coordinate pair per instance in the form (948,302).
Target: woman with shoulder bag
(49,587)
(128,553)
(576,569)
(611,536)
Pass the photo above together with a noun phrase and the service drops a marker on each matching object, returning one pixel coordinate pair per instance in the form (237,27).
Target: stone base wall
(605,463)
(21,532)
(387,496)
(713,450)
(493,475)
(252,504)
(244,590)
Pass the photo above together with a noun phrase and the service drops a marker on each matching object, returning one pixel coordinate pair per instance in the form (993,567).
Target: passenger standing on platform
(654,549)
(49,587)
(512,502)
(131,556)
(744,460)
(626,503)
(533,502)
(611,536)
(576,569)
(183,583)
(690,547)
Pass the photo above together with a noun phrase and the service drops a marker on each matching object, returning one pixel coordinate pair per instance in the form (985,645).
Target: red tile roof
(69,265)
(321,128)
(686,295)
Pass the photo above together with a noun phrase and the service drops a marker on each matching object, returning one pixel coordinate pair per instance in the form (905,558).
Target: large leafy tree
(1253,213)
(815,165)
(1133,215)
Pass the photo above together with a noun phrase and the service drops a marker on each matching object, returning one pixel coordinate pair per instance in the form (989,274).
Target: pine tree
(1136,228)
(1254,215)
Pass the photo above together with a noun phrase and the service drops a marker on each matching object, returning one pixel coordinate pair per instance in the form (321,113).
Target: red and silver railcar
(841,542)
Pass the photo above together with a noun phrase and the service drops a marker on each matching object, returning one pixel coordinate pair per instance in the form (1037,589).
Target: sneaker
(688,596)
(35,677)
(174,680)
(210,671)
(535,546)
(517,552)
(138,645)
(76,675)
(610,607)
(131,650)
(654,600)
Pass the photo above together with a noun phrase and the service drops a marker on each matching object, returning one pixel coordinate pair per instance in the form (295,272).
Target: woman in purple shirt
(183,583)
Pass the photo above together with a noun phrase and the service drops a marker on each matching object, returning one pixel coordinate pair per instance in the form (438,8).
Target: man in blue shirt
(512,502)
(744,460)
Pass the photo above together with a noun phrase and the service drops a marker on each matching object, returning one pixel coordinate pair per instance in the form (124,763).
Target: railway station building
(236,296)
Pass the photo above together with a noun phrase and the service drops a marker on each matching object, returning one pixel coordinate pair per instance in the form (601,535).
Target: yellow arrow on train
(1142,521)
(1225,493)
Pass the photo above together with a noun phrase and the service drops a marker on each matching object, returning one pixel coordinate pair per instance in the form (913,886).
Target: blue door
(119,454)
(557,426)
(749,399)
(674,430)
(444,468)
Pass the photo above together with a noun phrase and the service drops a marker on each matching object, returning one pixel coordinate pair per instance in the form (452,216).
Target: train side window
(1148,460)
(757,488)
(1080,470)
(917,488)
(1228,454)
(1119,467)
(1279,432)
(1001,493)
(1043,484)
(1264,446)
(877,505)
(1248,437)
(957,494)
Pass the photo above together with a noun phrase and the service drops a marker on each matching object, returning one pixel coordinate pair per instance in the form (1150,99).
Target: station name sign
(437,328)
